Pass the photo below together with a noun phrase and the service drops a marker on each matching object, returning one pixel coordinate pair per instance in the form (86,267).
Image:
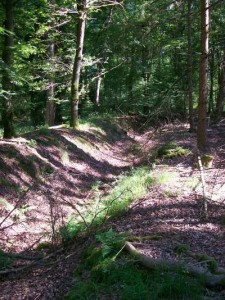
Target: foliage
(129,187)
(32,143)
(101,276)
(109,241)
(5,260)
(209,261)
(171,150)
(140,49)
(181,248)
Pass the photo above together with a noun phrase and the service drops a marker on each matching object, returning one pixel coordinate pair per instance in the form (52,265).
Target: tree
(50,103)
(190,67)
(221,93)
(81,24)
(203,77)
(7,80)
(82,8)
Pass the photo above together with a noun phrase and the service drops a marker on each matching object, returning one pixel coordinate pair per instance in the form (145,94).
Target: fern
(110,242)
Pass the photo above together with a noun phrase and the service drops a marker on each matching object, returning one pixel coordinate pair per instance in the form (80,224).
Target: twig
(118,253)
(15,207)
(35,263)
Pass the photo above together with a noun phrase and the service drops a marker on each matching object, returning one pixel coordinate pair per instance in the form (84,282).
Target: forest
(112,129)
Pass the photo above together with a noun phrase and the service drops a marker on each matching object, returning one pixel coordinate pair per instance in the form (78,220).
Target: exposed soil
(46,175)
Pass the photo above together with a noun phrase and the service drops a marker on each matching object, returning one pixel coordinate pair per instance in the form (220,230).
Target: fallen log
(211,280)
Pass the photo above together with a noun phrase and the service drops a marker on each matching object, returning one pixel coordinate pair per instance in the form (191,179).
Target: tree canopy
(133,57)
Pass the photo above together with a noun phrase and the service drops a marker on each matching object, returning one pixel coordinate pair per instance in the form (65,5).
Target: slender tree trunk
(7,84)
(131,77)
(221,95)
(82,10)
(212,68)
(203,77)
(190,68)
(50,104)
(98,87)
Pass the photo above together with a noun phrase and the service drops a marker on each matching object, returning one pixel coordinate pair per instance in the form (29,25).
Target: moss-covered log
(211,280)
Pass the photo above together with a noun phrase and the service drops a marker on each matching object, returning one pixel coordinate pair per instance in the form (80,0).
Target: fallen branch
(211,280)
(37,262)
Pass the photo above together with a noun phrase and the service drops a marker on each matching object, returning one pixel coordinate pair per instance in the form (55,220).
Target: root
(211,280)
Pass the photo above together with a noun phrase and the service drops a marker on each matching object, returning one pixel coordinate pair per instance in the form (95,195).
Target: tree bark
(190,68)
(50,104)
(203,77)
(7,82)
(221,95)
(75,95)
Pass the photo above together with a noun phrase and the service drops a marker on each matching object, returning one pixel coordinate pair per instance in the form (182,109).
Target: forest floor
(48,175)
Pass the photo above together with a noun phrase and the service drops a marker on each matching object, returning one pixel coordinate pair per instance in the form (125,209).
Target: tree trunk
(82,10)
(203,77)
(211,94)
(50,104)
(98,87)
(7,84)
(221,95)
(190,68)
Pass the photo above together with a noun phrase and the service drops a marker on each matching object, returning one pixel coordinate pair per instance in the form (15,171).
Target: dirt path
(61,169)
(173,208)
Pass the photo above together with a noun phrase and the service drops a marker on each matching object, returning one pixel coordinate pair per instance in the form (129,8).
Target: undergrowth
(128,188)
(112,275)
(171,150)
(5,260)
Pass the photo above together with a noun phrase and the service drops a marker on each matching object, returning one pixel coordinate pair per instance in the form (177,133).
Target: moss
(171,150)
(207,160)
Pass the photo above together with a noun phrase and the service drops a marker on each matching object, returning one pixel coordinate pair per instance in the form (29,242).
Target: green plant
(47,170)
(5,182)
(105,278)
(166,177)
(32,143)
(110,242)
(44,246)
(209,261)
(8,184)
(5,260)
(135,149)
(207,160)
(181,248)
(6,204)
(43,130)
(171,150)
(171,193)
(128,188)
(70,230)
